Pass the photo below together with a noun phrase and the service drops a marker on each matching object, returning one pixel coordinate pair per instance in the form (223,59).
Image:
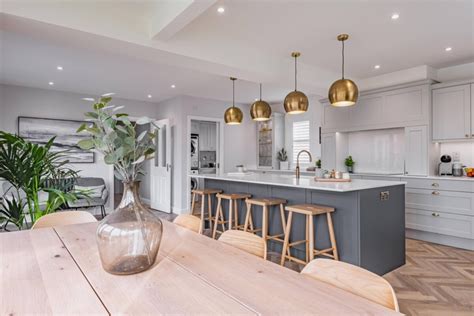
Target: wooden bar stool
(266,204)
(233,211)
(309,210)
(203,193)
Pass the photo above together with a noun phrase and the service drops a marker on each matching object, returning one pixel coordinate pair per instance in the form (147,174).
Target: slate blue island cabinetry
(369,220)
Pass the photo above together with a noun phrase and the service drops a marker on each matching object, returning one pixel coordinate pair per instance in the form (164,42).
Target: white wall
(239,140)
(24,101)
(465,150)
(314,115)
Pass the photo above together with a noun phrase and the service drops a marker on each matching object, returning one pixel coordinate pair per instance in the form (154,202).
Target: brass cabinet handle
(435,192)
(435,214)
(435,184)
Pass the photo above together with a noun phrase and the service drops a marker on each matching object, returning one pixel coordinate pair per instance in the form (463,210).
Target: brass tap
(298,173)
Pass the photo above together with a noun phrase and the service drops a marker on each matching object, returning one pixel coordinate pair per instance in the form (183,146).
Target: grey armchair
(91,201)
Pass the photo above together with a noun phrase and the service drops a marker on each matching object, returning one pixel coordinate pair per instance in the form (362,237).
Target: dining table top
(58,271)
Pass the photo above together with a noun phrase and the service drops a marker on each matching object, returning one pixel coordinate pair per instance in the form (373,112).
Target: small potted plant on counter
(319,172)
(283,158)
(349,162)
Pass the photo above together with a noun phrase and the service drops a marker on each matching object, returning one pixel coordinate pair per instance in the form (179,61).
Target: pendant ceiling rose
(343,92)
(260,110)
(233,115)
(296,102)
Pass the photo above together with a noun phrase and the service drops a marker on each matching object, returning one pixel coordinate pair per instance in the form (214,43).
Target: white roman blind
(300,140)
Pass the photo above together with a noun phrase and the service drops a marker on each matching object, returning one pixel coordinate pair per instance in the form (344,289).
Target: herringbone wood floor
(436,280)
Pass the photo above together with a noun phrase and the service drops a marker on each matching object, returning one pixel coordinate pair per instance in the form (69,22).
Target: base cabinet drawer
(440,223)
(440,201)
(443,185)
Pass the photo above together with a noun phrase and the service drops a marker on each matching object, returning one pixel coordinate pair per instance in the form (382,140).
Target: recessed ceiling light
(59,68)
(448,49)
(377,66)
(220,10)
(149,96)
(51,83)
(173,86)
(395,16)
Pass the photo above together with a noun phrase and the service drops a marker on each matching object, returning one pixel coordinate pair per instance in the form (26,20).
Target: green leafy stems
(349,162)
(282,155)
(114,135)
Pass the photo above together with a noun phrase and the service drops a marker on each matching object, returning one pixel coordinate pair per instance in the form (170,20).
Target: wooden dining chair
(245,241)
(64,218)
(188,221)
(353,279)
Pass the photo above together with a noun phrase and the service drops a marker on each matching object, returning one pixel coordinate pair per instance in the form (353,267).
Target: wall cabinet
(207,136)
(400,106)
(270,139)
(453,117)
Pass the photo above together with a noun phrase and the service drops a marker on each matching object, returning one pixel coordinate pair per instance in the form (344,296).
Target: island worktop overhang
(305,182)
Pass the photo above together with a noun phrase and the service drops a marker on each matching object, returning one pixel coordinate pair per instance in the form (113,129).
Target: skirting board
(457,242)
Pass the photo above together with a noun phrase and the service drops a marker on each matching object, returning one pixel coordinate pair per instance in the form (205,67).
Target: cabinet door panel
(335,117)
(452,113)
(416,152)
(472,110)
(368,111)
(328,151)
(405,105)
(441,201)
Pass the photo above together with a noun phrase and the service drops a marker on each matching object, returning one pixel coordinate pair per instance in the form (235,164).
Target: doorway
(205,154)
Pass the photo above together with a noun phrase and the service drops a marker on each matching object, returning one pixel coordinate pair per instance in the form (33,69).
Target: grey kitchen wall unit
(399,106)
(270,140)
(453,111)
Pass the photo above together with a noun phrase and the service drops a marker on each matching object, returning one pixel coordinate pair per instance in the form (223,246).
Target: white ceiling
(136,48)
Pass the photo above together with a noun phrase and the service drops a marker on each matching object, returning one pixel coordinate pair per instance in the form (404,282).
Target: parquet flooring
(436,280)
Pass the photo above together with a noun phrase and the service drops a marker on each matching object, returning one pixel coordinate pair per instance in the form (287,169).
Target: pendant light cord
(260,92)
(233,93)
(296,75)
(342,59)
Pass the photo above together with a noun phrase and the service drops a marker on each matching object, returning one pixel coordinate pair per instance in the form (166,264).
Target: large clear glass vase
(129,237)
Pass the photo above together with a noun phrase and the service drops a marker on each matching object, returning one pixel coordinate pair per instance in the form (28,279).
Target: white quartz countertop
(396,176)
(305,182)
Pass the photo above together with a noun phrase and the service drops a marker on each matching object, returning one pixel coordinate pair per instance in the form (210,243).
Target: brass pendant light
(296,102)
(260,110)
(233,115)
(343,92)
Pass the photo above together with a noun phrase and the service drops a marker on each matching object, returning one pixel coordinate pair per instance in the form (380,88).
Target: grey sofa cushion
(87,202)
(92,201)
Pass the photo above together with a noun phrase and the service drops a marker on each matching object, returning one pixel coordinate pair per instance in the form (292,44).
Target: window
(300,140)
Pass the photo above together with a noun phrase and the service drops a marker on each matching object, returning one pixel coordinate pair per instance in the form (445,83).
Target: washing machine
(196,183)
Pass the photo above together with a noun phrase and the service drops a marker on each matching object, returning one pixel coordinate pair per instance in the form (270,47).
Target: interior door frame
(220,148)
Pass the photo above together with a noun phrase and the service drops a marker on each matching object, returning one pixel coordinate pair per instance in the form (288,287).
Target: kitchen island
(369,220)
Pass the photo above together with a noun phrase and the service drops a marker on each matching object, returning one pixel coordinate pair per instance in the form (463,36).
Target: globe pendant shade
(260,111)
(296,102)
(343,92)
(233,116)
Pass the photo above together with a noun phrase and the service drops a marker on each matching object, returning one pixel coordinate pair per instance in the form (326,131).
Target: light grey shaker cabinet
(472,110)
(416,151)
(452,113)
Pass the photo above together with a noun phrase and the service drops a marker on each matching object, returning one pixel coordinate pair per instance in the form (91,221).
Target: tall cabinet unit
(270,140)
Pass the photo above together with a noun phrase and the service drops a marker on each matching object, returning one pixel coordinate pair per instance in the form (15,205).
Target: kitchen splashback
(378,151)
(464,149)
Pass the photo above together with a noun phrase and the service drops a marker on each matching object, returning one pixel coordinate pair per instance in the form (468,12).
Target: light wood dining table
(58,271)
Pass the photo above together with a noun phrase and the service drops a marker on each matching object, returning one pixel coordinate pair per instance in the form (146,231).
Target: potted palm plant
(29,170)
(129,237)
(283,158)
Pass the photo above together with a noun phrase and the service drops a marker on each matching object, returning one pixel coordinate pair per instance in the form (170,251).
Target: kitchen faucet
(298,161)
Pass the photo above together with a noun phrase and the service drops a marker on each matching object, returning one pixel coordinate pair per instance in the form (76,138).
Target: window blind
(300,140)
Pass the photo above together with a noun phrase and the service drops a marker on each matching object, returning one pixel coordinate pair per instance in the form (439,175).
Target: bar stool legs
(233,218)
(203,193)
(309,210)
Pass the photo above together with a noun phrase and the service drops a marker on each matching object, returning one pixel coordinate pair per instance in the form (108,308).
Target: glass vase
(129,237)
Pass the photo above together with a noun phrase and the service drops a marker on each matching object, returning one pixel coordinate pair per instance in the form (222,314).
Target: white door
(160,196)
(416,151)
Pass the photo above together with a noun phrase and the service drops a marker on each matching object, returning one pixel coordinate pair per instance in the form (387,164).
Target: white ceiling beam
(172,16)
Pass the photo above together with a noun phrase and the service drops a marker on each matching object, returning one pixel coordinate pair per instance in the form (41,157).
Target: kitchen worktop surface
(400,176)
(305,182)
